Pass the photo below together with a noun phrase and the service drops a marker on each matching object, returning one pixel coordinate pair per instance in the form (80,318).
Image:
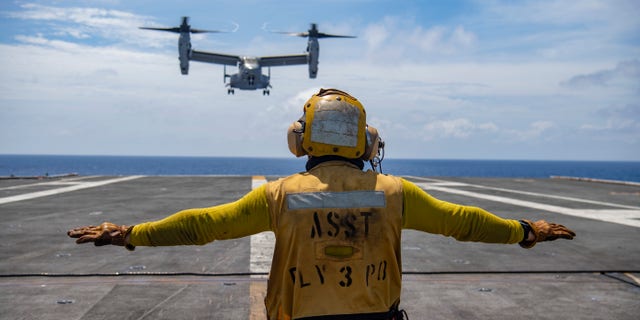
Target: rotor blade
(324,35)
(312,33)
(206,31)
(176,30)
(293,34)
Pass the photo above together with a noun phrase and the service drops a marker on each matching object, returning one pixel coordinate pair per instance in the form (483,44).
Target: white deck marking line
(63,181)
(625,217)
(260,261)
(443,183)
(159,304)
(79,185)
(261,243)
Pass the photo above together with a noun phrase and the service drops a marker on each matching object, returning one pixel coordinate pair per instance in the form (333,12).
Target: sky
(462,79)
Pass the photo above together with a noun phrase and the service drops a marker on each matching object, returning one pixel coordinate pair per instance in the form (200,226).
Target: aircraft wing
(217,58)
(287,60)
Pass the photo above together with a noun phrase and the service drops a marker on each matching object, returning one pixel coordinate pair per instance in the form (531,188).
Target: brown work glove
(106,233)
(545,231)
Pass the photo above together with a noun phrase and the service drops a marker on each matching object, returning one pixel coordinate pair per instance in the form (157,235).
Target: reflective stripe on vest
(339,200)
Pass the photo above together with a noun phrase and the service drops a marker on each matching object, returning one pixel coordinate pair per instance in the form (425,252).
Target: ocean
(52,165)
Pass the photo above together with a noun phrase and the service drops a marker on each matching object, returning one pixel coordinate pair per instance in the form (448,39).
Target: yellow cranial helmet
(334,123)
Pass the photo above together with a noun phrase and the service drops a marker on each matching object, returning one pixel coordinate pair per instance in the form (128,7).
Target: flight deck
(45,275)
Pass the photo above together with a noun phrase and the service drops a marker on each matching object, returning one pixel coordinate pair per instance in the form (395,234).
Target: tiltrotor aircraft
(249,76)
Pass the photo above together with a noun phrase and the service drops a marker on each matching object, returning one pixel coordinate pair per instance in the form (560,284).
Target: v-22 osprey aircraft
(249,76)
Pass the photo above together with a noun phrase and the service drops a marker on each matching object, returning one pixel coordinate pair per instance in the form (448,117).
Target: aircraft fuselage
(249,76)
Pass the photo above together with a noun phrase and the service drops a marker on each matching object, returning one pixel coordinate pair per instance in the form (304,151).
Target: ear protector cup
(294,138)
(372,144)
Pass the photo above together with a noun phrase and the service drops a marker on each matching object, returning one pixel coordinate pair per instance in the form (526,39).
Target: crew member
(337,227)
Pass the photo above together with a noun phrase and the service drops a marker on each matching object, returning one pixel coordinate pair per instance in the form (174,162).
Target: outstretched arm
(246,216)
(465,223)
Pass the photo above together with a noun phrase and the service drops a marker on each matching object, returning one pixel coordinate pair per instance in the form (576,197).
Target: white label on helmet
(335,123)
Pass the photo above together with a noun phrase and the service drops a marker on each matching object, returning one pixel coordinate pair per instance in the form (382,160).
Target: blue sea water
(41,165)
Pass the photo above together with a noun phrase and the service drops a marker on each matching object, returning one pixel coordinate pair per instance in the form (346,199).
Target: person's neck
(314,161)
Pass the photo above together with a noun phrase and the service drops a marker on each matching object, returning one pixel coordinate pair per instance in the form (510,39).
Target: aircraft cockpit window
(251,63)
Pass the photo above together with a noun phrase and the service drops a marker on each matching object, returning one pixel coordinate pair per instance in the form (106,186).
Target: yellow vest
(338,246)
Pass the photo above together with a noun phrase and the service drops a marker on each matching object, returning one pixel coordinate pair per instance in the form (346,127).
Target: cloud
(463,128)
(96,17)
(440,39)
(624,72)
(534,131)
(398,40)
(605,13)
(616,123)
(92,25)
(375,35)
(589,31)
(459,128)
(40,40)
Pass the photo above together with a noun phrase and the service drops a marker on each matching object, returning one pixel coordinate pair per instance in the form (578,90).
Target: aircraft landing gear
(265,92)
(230,91)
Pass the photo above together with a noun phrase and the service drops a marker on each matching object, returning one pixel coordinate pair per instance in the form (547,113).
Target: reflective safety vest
(338,247)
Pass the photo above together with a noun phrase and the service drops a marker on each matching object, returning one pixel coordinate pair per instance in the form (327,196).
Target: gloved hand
(106,233)
(545,231)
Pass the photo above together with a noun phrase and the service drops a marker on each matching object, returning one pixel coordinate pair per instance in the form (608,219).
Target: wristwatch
(526,228)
